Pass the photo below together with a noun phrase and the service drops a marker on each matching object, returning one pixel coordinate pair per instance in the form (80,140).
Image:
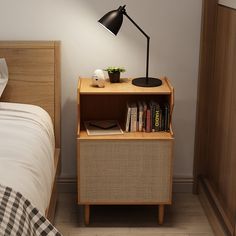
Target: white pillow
(3,75)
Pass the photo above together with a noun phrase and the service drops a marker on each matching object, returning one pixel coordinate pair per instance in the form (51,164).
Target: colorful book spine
(153,113)
(128,115)
(144,116)
(162,119)
(147,117)
(140,116)
(148,120)
(133,118)
(157,121)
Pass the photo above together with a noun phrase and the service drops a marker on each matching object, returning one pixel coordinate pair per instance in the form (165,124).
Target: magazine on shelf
(103,127)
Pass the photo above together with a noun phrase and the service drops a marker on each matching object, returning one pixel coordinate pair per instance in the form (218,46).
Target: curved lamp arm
(148,39)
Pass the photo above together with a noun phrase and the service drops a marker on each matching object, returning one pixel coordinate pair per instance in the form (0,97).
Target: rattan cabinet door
(125,171)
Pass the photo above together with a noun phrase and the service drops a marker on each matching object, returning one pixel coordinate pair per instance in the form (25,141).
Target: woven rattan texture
(131,171)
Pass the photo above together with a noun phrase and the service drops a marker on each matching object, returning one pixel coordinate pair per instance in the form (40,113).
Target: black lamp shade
(112,21)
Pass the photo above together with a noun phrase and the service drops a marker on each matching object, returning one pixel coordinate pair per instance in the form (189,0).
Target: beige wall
(174,27)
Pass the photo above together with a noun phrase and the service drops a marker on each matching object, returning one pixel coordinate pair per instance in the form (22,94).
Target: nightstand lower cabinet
(129,169)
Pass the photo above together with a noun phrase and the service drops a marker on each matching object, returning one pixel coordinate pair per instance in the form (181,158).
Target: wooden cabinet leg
(161,210)
(86,214)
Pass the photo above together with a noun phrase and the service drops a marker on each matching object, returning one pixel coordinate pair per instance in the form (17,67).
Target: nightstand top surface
(124,87)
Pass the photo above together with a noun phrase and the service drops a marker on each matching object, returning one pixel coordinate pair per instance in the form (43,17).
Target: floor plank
(184,218)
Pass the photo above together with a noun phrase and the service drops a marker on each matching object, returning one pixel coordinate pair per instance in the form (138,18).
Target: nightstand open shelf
(131,168)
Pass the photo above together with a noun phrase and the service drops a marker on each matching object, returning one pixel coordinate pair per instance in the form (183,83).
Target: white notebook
(103,127)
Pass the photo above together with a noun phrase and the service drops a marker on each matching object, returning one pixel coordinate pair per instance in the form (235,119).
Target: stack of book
(147,117)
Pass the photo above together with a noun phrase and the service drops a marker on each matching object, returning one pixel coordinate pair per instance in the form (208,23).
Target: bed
(30,104)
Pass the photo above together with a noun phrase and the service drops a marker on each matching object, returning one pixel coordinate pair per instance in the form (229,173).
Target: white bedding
(27,152)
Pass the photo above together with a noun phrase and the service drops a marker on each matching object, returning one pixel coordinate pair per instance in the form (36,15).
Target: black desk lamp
(112,21)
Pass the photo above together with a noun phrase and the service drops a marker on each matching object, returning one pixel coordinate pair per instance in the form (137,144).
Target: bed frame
(34,78)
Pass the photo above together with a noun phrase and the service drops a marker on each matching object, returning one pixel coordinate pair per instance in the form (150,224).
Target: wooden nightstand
(132,168)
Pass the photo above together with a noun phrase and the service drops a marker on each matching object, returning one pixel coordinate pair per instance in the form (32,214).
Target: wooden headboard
(34,76)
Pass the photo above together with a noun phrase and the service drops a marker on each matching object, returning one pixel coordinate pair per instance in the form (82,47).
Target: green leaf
(112,69)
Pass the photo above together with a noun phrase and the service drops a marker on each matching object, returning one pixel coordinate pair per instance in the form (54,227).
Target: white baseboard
(180,185)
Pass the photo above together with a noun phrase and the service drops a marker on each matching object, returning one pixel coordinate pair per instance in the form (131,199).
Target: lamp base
(147,82)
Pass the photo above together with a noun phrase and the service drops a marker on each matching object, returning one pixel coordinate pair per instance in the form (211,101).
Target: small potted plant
(114,73)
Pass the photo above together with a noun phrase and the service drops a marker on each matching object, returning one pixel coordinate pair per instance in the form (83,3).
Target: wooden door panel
(222,143)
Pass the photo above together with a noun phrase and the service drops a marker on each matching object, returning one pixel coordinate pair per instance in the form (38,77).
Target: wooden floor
(184,218)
